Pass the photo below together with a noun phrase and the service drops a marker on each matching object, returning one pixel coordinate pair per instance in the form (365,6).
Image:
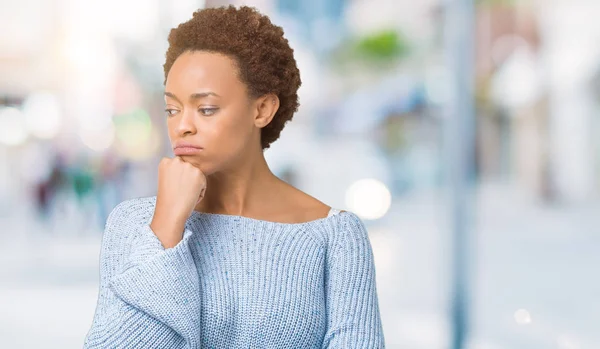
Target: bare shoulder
(303,206)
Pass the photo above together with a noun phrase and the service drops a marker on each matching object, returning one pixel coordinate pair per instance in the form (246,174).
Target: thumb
(201,196)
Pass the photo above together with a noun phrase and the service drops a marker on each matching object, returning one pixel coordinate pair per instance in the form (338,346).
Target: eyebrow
(193,96)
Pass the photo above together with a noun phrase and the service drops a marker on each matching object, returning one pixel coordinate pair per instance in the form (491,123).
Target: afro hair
(263,55)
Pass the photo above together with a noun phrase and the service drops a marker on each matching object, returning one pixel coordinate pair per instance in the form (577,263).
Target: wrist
(167,229)
(169,216)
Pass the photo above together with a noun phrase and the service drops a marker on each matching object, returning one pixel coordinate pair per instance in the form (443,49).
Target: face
(208,106)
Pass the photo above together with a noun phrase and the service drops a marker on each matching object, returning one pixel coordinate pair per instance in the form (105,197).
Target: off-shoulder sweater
(235,282)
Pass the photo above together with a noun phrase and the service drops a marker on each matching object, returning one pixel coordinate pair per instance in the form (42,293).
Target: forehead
(197,70)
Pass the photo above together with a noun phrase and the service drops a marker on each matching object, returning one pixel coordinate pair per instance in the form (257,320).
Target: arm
(149,296)
(353,319)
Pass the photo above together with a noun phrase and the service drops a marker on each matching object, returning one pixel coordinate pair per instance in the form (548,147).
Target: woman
(227,255)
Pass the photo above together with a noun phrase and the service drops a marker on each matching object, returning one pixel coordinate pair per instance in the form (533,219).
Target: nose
(186,123)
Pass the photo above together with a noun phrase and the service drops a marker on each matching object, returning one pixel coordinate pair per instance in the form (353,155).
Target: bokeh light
(369,198)
(136,138)
(98,139)
(12,128)
(522,317)
(42,115)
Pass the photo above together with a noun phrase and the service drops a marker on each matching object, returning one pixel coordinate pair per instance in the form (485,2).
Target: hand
(181,186)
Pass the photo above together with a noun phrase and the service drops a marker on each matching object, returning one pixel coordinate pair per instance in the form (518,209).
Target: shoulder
(349,236)
(126,217)
(132,210)
(348,224)
(297,203)
(121,229)
(349,220)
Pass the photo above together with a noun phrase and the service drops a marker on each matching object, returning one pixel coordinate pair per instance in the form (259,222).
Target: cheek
(224,148)
(171,129)
(230,135)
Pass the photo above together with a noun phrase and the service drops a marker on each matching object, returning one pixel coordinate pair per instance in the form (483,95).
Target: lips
(182,148)
(186,151)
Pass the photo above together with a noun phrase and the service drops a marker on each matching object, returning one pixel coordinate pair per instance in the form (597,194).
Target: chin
(205,167)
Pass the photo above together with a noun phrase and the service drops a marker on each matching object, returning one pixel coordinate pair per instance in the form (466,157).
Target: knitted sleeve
(353,319)
(149,296)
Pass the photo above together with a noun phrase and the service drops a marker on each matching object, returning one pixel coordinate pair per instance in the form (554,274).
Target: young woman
(227,255)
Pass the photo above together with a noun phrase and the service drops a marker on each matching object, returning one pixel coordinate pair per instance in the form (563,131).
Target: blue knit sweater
(235,282)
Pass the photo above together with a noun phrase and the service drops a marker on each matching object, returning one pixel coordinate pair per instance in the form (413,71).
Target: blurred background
(482,206)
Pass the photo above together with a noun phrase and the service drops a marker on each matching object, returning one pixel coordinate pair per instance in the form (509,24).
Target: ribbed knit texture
(235,282)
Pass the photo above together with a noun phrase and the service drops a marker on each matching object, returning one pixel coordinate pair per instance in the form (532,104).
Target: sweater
(235,282)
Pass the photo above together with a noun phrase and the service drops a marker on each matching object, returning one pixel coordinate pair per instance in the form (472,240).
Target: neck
(241,189)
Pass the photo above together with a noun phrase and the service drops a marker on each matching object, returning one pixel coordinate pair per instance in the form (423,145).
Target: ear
(265,109)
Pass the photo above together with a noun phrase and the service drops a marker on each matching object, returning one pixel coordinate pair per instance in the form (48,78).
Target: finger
(200,198)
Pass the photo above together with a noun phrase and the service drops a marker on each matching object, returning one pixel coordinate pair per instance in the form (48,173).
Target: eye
(168,111)
(208,111)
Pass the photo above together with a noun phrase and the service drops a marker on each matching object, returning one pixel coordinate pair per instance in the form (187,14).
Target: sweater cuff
(163,283)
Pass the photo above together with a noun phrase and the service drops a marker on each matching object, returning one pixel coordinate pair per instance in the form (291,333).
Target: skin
(226,122)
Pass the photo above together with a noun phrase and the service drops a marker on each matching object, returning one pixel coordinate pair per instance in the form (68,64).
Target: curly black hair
(264,57)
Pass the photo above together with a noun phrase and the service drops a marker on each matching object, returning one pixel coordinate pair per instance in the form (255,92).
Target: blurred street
(534,269)
(388,127)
